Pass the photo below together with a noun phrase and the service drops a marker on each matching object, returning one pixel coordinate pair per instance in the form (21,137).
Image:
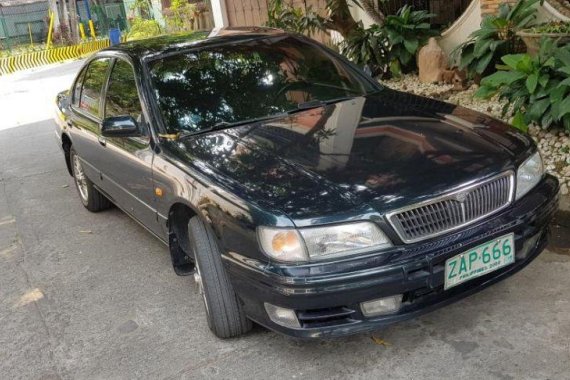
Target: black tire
(91,198)
(224,312)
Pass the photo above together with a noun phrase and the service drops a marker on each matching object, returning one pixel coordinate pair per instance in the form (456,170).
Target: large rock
(432,61)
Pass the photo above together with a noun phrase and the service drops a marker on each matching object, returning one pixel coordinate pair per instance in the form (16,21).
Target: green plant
(537,88)
(141,28)
(496,37)
(391,48)
(294,19)
(369,47)
(180,16)
(407,31)
(556,27)
(386,47)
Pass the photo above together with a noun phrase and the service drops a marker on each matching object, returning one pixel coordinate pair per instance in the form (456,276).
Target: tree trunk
(73,21)
(340,18)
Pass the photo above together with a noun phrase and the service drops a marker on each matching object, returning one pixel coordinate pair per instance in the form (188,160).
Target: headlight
(315,243)
(529,174)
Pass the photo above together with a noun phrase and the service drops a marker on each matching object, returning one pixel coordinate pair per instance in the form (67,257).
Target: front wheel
(91,198)
(225,315)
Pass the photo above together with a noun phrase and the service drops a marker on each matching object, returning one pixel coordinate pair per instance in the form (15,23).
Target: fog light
(381,306)
(282,316)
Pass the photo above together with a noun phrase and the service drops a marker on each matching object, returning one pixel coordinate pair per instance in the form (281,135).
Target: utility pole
(73,21)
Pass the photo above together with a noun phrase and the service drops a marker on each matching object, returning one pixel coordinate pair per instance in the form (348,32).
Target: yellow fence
(53,55)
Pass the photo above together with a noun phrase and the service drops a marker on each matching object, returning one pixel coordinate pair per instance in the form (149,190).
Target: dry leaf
(380,341)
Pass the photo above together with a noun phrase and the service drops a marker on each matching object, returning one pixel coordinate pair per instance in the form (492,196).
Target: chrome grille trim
(454,210)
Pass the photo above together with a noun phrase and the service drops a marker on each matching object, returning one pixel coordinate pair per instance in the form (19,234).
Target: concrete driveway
(94,296)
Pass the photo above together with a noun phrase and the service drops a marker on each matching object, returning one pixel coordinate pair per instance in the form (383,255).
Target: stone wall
(491,6)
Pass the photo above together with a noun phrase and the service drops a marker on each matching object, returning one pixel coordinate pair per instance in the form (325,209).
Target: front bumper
(327,297)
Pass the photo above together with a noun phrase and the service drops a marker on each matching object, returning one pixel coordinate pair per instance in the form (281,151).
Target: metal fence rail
(39,58)
(27,22)
(24,23)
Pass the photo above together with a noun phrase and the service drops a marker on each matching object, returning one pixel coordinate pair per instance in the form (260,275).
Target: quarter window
(77,88)
(95,76)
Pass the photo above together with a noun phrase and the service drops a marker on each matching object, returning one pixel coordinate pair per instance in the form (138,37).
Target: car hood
(373,153)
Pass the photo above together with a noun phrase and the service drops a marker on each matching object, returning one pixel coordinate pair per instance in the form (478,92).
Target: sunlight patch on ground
(7,252)
(29,297)
(9,221)
(29,96)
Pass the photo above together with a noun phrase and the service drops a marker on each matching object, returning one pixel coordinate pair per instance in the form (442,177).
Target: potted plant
(556,30)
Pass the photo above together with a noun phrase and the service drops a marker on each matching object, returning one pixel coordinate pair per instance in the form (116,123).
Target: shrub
(386,48)
(537,88)
(551,27)
(180,16)
(407,31)
(141,28)
(368,47)
(496,37)
(294,19)
(391,48)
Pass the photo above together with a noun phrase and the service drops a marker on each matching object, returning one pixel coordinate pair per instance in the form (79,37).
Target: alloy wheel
(200,284)
(80,178)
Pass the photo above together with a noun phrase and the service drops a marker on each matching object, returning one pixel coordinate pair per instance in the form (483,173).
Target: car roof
(163,45)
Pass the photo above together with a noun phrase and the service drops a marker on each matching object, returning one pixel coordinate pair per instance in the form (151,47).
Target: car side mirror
(120,126)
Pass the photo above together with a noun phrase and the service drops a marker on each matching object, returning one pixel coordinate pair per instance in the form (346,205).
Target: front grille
(454,210)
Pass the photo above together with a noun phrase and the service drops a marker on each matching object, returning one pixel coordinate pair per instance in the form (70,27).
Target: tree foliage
(386,47)
(295,19)
(141,28)
(180,16)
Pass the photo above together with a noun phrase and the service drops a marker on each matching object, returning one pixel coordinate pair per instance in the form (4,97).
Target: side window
(95,76)
(122,96)
(77,88)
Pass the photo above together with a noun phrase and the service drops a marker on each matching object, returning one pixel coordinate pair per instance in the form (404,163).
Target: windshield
(204,88)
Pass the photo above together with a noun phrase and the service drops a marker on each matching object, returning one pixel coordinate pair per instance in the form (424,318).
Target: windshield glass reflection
(199,89)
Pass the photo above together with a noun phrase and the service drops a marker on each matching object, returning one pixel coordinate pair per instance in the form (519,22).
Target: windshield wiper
(326,85)
(319,103)
(225,124)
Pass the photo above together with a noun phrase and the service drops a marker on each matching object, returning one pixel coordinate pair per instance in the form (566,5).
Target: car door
(85,116)
(127,161)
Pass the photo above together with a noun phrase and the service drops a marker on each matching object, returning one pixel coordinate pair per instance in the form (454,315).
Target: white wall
(460,30)
(219,13)
(547,12)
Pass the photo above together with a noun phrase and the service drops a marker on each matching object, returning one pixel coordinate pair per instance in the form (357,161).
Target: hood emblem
(461,197)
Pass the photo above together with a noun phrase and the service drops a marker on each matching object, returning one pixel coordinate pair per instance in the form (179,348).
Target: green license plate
(480,260)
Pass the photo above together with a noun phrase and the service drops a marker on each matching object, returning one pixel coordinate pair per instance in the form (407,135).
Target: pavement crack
(29,175)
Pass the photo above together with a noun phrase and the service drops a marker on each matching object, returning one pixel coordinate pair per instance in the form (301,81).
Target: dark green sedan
(300,193)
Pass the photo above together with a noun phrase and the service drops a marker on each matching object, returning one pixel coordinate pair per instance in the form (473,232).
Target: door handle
(102,140)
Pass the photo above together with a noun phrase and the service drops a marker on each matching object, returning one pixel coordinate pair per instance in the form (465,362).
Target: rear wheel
(91,198)
(224,312)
